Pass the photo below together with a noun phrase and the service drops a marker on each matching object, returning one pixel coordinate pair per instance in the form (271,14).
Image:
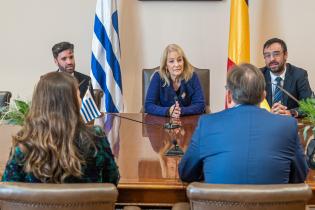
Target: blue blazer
(295,82)
(160,98)
(244,145)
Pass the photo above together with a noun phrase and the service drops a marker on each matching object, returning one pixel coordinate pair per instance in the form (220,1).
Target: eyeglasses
(274,54)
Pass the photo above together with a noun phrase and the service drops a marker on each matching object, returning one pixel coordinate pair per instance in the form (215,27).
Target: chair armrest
(181,206)
(208,111)
(131,208)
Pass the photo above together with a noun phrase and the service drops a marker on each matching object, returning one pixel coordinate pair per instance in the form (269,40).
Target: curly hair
(53,133)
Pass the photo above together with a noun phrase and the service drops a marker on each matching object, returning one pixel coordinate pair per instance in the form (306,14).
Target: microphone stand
(170,125)
(175,150)
(286,92)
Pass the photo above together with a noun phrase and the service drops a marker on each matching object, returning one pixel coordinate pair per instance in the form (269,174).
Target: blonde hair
(164,74)
(53,133)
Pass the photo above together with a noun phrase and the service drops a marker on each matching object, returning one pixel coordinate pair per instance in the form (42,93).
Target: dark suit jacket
(86,83)
(244,145)
(295,82)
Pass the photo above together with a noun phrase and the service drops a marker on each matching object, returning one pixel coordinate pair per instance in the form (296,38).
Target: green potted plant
(308,108)
(15,113)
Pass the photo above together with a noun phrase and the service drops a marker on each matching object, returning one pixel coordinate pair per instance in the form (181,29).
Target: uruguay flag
(89,110)
(105,62)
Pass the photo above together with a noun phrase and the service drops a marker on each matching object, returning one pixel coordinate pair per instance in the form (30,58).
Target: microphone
(138,121)
(81,82)
(286,92)
(171,125)
(175,150)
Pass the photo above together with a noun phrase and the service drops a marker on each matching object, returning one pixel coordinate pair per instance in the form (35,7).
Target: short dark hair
(247,84)
(62,46)
(276,40)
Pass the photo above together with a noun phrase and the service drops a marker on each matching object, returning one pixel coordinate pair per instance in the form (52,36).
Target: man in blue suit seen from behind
(245,144)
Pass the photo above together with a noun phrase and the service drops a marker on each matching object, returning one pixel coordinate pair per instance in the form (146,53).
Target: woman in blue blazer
(175,89)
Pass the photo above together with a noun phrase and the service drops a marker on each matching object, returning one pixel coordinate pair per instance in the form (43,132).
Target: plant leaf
(15,113)
(22,106)
(306,128)
(307,106)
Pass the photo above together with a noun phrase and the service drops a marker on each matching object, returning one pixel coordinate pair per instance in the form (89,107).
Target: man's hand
(278,108)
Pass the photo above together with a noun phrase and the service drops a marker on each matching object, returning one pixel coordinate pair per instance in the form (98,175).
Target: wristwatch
(294,113)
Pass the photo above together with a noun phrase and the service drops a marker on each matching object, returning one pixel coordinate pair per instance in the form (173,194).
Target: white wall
(29,28)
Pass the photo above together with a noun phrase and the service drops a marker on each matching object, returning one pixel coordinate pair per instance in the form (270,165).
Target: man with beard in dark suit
(64,58)
(278,72)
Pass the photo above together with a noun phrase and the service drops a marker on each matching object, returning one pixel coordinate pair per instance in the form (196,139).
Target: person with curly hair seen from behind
(175,89)
(54,145)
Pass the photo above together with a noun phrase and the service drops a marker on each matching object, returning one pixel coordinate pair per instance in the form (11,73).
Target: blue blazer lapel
(268,87)
(288,82)
(169,92)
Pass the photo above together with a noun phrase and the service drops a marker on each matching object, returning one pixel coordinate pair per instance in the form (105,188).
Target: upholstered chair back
(98,94)
(247,197)
(31,196)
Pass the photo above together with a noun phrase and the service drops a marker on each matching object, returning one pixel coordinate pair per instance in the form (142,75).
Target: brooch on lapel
(183,95)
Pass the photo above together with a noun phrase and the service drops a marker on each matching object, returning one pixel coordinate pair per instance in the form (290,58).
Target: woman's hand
(174,111)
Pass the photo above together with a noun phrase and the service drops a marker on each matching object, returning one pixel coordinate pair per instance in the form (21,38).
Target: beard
(276,67)
(68,69)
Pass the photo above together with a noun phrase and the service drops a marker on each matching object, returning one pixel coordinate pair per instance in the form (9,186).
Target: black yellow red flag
(239,38)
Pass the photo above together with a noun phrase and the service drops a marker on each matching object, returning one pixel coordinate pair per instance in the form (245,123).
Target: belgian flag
(239,39)
(239,48)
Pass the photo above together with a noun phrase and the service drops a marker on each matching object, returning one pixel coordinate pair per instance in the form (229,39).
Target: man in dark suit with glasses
(278,72)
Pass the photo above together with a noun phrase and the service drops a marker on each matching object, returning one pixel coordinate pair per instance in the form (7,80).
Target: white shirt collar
(72,74)
(274,76)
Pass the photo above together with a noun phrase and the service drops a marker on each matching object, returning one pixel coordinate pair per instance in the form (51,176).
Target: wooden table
(148,177)
(6,132)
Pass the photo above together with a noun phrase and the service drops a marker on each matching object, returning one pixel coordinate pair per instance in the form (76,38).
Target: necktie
(277,96)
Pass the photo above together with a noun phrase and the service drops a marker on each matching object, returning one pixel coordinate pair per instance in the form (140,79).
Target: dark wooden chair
(5,97)
(98,95)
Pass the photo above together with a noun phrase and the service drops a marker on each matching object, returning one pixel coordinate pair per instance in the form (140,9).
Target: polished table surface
(147,175)
(139,142)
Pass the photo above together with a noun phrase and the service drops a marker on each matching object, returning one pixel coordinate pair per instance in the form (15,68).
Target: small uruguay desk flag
(89,110)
